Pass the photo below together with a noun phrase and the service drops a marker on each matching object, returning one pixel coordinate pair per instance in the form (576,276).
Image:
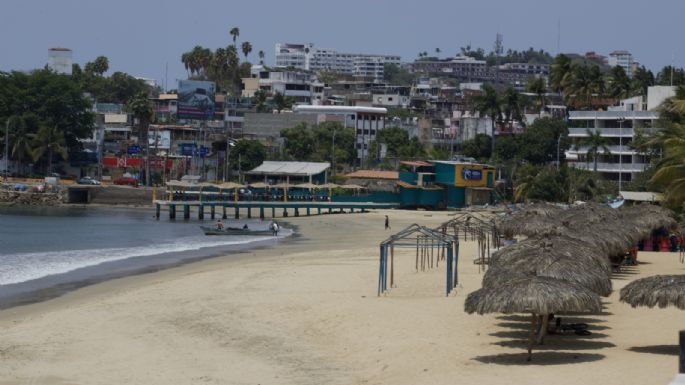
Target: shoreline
(307,313)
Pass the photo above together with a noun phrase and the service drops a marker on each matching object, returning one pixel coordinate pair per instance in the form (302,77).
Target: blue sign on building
(187,149)
(204,151)
(471,174)
(133,149)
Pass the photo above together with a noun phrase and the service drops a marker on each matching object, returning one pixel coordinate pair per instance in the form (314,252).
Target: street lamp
(229,143)
(620,156)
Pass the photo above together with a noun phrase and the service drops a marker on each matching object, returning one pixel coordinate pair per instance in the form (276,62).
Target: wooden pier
(263,208)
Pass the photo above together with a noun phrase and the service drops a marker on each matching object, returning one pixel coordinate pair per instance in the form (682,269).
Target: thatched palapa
(659,290)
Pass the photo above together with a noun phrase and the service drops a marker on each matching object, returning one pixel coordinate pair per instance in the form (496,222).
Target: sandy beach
(306,312)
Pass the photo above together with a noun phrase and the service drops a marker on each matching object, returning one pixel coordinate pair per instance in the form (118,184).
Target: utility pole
(498,52)
(558,156)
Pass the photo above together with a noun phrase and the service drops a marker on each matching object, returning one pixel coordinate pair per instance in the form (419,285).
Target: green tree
(247,154)
(261,57)
(489,104)
(540,139)
(299,142)
(396,75)
(619,83)
(141,109)
(596,143)
(246,47)
(670,169)
(538,87)
(512,107)
(49,140)
(480,147)
(642,79)
(282,102)
(234,32)
(670,76)
(260,101)
(100,65)
(559,70)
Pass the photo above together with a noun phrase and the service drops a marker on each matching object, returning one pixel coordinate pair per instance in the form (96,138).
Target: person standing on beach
(274,228)
(387,222)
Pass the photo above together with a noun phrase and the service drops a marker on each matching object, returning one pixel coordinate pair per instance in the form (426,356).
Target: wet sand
(306,312)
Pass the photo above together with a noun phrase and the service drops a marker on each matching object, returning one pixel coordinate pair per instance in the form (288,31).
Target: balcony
(611,167)
(614,150)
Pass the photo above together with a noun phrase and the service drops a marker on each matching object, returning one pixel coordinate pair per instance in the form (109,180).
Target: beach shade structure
(329,185)
(538,296)
(549,258)
(352,187)
(429,244)
(307,186)
(545,250)
(658,290)
(474,228)
(258,185)
(231,186)
(529,221)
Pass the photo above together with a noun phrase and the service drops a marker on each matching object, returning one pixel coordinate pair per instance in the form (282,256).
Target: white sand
(307,313)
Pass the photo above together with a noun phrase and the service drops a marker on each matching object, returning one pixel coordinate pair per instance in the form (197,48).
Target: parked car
(88,180)
(126,181)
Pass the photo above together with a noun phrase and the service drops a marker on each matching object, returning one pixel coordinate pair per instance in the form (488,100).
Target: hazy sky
(141,37)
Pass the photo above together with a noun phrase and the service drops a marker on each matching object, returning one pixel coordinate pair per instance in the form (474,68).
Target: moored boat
(213,230)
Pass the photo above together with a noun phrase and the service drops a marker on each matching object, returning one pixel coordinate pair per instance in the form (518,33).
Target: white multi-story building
(308,57)
(623,59)
(366,121)
(299,85)
(60,60)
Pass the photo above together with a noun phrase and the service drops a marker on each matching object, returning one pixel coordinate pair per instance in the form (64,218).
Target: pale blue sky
(140,37)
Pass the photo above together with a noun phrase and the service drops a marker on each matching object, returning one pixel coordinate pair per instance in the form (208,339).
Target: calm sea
(43,248)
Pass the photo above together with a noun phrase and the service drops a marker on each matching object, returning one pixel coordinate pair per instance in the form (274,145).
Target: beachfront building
(291,173)
(366,121)
(620,126)
(310,58)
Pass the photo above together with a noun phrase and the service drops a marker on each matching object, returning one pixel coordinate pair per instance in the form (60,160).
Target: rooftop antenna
(498,52)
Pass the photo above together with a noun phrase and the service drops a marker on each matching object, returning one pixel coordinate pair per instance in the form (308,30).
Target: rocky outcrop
(32,198)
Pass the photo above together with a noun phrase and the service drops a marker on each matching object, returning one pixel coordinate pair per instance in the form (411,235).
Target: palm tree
(488,104)
(561,67)
(619,86)
(539,88)
(512,105)
(234,32)
(437,52)
(50,140)
(141,108)
(595,142)
(671,168)
(22,141)
(261,57)
(246,48)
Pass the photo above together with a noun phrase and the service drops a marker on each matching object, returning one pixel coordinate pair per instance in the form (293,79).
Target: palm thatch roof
(659,290)
(259,185)
(230,185)
(537,295)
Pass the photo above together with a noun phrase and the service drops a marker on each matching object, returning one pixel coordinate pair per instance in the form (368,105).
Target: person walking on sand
(274,228)
(387,222)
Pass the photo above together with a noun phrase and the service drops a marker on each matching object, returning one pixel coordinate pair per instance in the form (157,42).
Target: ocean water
(44,247)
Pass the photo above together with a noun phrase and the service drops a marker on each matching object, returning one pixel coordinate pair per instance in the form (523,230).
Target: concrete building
(308,57)
(301,86)
(60,60)
(366,121)
(622,163)
(623,59)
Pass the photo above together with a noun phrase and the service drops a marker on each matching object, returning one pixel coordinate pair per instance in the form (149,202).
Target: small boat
(213,230)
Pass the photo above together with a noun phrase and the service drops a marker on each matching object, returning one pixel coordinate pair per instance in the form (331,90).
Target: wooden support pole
(297,212)
(249,212)
(237,212)
(212,211)
(223,213)
(285,212)
(157,210)
(544,320)
(273,212)
(201,212)
(308,213)
(186,211)
(318,211)
(261,212)
(172,211)
(417,254)
(531,336)
(681,367)
(392,266)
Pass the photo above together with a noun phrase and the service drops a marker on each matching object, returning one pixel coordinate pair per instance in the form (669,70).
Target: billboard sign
(133,149)
(471,174)
(195,99)
(160,139)
(186,149)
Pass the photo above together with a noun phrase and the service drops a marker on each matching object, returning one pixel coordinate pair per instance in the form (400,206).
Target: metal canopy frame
(470,227)
(426,241)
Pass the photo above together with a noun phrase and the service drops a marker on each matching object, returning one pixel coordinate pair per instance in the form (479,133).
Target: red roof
(374,174)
